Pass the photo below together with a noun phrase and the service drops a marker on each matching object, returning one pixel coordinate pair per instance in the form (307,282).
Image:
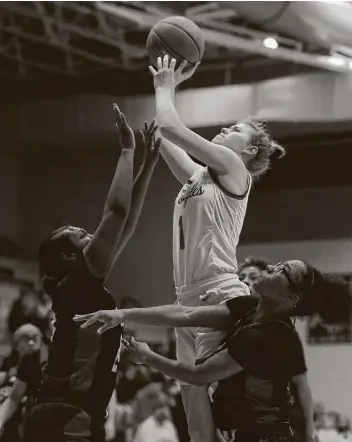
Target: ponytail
(327,295)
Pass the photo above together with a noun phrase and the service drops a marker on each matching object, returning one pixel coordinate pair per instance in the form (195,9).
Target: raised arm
(221,159)
(179,162)
(140,184)
(304,398)
(216,368)
(217,316)
(99,252)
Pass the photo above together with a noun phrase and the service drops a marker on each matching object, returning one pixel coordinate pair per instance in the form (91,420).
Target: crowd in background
(146,405)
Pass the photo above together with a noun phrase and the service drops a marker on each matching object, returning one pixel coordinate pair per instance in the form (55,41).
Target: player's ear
(251,150)
(292,298)
(68,257)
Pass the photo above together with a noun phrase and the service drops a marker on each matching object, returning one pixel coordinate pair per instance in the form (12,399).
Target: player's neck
(268,309)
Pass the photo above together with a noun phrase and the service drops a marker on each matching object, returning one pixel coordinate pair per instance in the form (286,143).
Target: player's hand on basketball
(150,144)
(110,319)
(181,75)
(136,351)
(124,131)
(164,75)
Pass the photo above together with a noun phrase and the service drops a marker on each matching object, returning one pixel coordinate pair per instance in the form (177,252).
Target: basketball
(178,37)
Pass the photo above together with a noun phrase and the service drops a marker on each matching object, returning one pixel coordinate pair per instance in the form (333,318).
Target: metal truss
(86,36)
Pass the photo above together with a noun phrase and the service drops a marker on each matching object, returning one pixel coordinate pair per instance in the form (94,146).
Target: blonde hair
(267,148)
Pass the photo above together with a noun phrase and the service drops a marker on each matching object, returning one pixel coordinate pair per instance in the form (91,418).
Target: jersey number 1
(182,236)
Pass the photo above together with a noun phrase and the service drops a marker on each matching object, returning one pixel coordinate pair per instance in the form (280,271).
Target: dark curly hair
(267,148)
(49,258)
(251,261)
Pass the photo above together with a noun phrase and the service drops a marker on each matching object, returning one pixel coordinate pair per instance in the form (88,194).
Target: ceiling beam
(134,51)
(60,45)
(227,40)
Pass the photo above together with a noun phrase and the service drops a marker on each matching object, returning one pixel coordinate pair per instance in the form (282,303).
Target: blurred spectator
(33,308)
(328,428)
(158,427)
(120,424)
(344,427)
(250,270)
(21,380)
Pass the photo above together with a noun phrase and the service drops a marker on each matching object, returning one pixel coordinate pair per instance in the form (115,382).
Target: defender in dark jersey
(249,375)
(80,375)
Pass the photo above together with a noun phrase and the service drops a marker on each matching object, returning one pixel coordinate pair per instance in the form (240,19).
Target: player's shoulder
(225,185)
(240,305)
(79,275)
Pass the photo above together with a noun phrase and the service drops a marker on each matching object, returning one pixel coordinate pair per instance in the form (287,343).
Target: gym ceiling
(61,48)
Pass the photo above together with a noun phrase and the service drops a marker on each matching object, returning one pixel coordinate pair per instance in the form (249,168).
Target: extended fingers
(152,70)
(181,67)
(152,128)
(81,318)
(90,321)
(166,62)
(173,64)
(105,327)
(157,145)
(141,136)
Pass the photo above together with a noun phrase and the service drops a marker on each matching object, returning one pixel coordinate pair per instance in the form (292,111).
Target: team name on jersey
(189,192)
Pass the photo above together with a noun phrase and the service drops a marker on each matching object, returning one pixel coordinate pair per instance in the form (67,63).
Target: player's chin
(218,140)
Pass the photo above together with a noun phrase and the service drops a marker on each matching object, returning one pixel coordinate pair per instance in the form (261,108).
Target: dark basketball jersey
(82,365)
(270,353)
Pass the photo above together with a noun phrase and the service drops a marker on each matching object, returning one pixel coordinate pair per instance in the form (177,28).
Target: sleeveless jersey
(82,365)
(206,228)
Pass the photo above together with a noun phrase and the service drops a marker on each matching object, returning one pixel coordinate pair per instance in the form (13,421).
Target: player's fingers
(152,70)
(80,318)
(182,65)
(146,126)
(153,127)
(173,64)
(149,127)
(166,62)
(141,136)
(157,145)
(123,120)
(105,327)
(151,131)
(116,108)
(125,342)
(159,63)
(90,322)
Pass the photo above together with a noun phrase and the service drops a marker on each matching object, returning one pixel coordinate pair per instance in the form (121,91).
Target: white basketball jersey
(206,228)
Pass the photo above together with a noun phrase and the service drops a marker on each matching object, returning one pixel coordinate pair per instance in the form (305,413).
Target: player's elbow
(119,209)
(202,376)
(189,317)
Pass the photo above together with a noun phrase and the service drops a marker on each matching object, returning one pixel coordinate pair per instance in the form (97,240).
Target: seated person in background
(158,427)
(328,431)
(22,381)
